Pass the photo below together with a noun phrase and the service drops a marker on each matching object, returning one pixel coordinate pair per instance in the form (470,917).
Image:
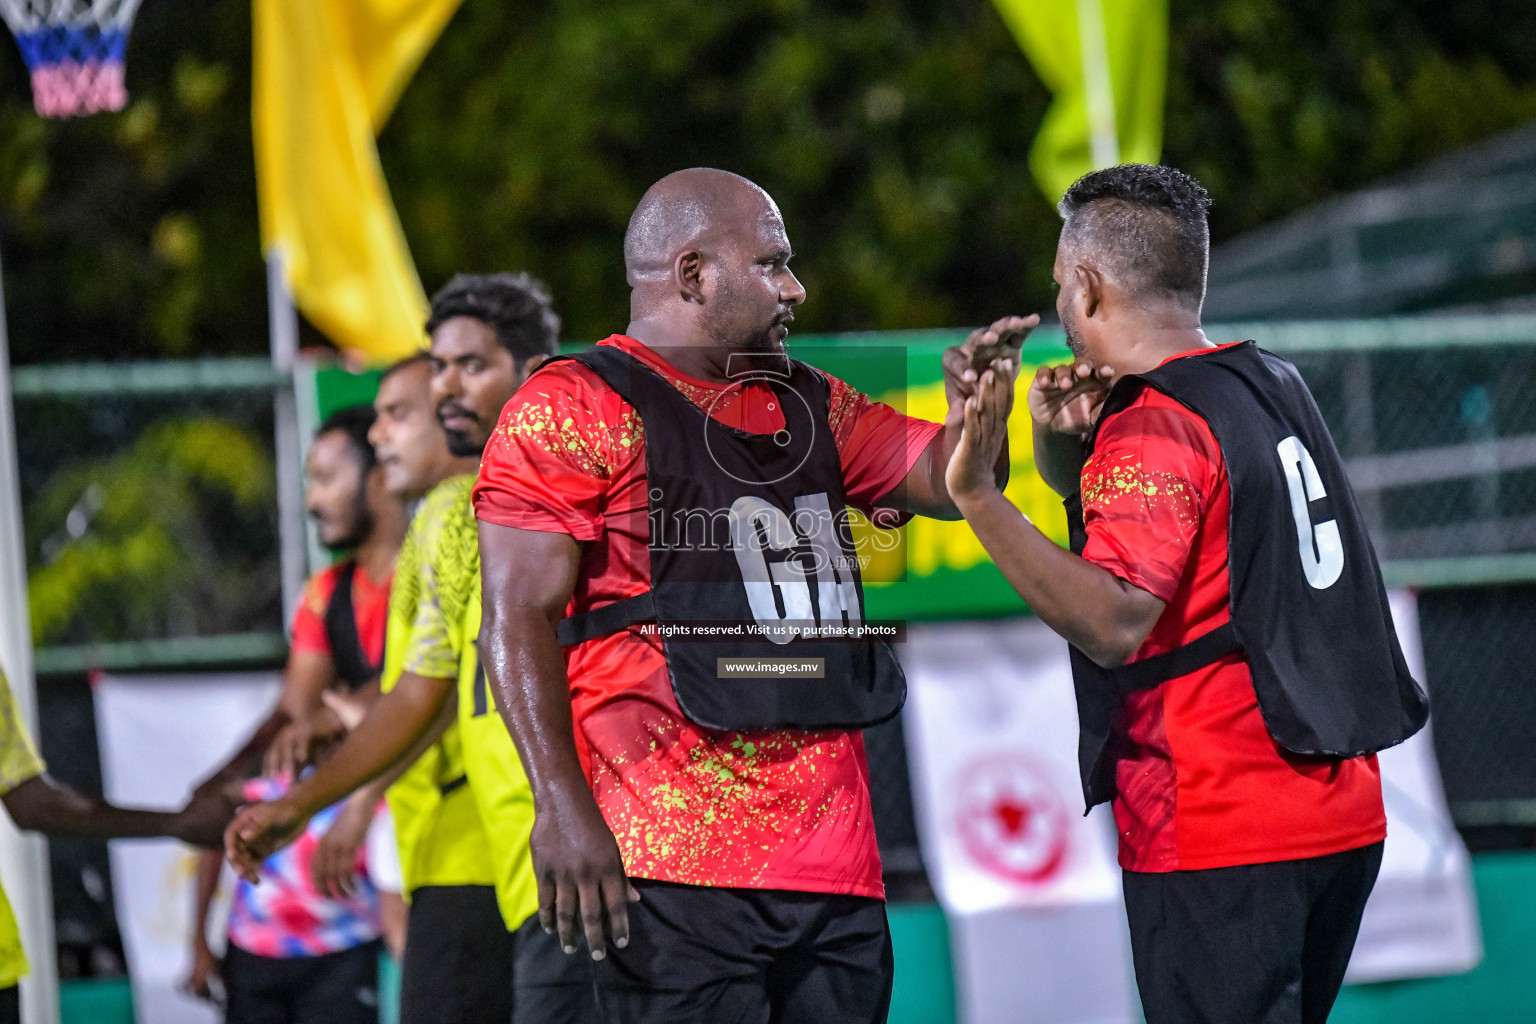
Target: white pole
(1093,42)
(23,858)
(283,322)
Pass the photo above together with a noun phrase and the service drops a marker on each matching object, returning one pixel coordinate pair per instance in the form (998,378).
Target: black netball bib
(1309,610)
(353,666)
(752,562)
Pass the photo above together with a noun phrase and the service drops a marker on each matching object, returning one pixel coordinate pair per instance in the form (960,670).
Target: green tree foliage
(893,133)
(1278,104)
(137,544)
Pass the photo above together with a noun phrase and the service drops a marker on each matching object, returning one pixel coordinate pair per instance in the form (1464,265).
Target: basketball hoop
(75,50)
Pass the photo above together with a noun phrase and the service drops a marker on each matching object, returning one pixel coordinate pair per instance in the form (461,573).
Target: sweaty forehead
(699,208)
(770,226)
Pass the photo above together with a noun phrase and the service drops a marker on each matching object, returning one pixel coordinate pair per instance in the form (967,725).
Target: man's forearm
(1094,610)
(42,805)
(1058,459)
(532,694)
(936,463)
(397,724)
(445,717)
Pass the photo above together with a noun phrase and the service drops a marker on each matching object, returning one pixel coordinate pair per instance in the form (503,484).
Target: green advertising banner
(927,569)
(931,569)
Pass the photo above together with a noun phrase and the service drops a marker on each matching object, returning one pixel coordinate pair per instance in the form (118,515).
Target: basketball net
(75,50)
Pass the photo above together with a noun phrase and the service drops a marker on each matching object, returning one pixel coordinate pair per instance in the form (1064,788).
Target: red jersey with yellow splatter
(370,607)
(1201,784)
(776,810)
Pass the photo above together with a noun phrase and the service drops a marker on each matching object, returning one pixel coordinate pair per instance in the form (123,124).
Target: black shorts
(701,955)
(457,967)
(10,1005)
(1258,943)
(336,987)
(462,966)
(549,987)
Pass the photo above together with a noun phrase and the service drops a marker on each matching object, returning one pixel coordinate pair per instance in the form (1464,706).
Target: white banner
(161,735)
(1421,920)
(1032,887)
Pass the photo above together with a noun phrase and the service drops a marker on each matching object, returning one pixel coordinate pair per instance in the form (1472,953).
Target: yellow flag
(326,76)
(1106,63)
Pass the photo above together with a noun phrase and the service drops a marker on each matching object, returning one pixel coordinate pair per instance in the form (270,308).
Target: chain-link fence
(150,507)
(1440,442)
(152,525)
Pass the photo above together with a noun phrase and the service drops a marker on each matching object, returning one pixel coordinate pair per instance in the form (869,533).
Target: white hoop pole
(23,858)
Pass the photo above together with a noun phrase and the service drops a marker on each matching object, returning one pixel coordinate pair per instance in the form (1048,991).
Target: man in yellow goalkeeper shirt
(488,332)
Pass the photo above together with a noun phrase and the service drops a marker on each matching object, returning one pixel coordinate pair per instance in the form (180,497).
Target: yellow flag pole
(1098,84)
(283,339)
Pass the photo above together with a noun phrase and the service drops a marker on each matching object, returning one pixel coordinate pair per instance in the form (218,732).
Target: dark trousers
(701,955)
(457,967)
(462,966)
(1254,944)
(548,986)
(335,988)
(10,1005)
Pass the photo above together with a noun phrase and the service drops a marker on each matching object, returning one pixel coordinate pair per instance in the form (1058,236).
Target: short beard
(764,344)
(460,445)
(722,332)
(362,528)
(1074,339)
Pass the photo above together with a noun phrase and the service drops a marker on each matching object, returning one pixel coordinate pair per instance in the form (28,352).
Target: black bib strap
(452,784)
(610,618)
(353,666)
(1198,653)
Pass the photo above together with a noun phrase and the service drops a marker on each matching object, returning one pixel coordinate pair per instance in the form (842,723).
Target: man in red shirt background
(752,855)
(355,514)
(1247,866)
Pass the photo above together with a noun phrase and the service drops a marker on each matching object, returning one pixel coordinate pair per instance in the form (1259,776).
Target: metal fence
(1435,417)
(150,501)
(1436,420)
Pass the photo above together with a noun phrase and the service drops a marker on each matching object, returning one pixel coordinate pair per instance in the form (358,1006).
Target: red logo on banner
(1011,819)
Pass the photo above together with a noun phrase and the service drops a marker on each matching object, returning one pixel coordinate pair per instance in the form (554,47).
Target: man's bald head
(707,260)
(686,210)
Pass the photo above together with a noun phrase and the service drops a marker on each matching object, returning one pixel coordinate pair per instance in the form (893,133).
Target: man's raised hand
(970,470)
(1066,399)
(1003,338)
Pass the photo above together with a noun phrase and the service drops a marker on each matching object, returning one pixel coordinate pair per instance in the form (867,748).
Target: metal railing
(1435,416)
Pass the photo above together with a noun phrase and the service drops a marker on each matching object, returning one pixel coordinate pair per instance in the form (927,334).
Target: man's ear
(529,365)
(688,275)
(1090,290)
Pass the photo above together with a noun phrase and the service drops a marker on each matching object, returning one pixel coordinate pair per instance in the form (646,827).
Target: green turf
(1501,990)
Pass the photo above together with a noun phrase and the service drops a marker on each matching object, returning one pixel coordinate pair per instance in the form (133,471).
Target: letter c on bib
(1321,550)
